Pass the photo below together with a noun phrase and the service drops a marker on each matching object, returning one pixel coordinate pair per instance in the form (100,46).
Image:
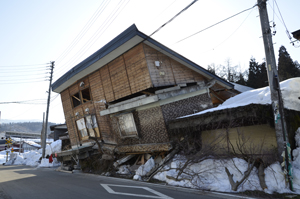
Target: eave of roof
(119,45)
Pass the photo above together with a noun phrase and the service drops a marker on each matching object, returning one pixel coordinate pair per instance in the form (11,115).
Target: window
(76,100)
(92,126)
(82,128)
(81,97)
(127,125)
(88,127)
(86,95)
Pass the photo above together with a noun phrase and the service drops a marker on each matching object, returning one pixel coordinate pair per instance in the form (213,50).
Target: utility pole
(283,145)
(48,105)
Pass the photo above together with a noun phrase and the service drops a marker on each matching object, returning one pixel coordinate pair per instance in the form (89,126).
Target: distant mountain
(2,121)
(30,127)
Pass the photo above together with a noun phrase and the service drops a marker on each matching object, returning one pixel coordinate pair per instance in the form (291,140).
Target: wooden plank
(107,86)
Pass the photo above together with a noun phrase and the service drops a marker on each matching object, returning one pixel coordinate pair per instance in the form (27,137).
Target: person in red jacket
(50,159)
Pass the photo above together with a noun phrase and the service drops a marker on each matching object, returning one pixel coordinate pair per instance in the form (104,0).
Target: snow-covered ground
(32,158)
(210,174)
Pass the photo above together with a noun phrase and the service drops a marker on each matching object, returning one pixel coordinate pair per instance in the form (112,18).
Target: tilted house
(125,94)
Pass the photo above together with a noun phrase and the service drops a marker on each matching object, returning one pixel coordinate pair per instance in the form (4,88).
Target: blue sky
(37,32)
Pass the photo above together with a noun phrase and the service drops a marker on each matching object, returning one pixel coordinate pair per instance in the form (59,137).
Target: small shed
(58,130)
(30,146)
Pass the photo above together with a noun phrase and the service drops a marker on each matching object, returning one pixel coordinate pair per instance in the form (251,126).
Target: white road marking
(158,195)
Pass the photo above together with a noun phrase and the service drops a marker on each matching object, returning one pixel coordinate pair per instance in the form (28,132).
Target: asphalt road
(21,182)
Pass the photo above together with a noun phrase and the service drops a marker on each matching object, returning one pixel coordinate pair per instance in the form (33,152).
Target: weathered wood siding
(125,75)
(170,72)
(132,72)
(256,139)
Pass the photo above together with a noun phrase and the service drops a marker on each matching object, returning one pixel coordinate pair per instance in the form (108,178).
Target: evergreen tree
(286,67)
(257,76)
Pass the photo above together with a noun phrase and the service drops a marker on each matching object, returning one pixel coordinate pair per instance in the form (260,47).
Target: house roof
(116,47)
(241,88)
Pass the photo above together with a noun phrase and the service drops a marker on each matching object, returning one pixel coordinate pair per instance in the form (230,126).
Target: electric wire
(14,75)
(215,24)
(26,65)
(287,31)
(166,8)
(184,9)
(23,71)
(230,34)
(23,82)
(83,31)
(113,15)
(5,80)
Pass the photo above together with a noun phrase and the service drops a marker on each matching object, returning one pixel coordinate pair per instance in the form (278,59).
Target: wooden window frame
(81,97)
(90,132)
(120,126)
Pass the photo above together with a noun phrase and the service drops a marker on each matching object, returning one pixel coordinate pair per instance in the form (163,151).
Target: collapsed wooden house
(125,94)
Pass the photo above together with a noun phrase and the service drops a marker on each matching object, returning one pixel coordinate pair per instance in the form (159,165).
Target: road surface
(22,182)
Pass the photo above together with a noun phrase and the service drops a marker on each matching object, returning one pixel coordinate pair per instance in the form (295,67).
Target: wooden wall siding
(183,74)
(162,75)
(175,72)
(185,107)
(97,90)
(85,81)
(68,112)
(106,82)
(119,78)
(104,123)
(150,125)
(137,69)
(73,89)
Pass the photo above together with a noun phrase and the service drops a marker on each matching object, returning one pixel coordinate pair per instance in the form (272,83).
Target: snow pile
(210,174)
(289,89)
(2,157)
(45,163)
(33,158)
(54,147)
(124,169)
(144,169)
(32,143)
(296,152)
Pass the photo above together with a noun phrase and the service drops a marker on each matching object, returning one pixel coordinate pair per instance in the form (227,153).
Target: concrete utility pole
(47,112)
(276,97)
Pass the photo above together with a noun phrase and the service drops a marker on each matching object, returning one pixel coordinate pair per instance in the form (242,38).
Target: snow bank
(124,169)
(45,163)
(54,147)
(210,174)
(32,158)
(144,169)
(289,89)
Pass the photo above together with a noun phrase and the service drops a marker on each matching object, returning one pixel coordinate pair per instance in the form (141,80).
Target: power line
(26,65)
(14,75)
(216,24)
(96,35)
(230,34)
(187,7)
(83,30)
(23,82)
(23,71)
(287,32)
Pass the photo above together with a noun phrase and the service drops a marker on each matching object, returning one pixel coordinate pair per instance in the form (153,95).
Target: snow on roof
(241,88)
(290,90)
(31,143)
